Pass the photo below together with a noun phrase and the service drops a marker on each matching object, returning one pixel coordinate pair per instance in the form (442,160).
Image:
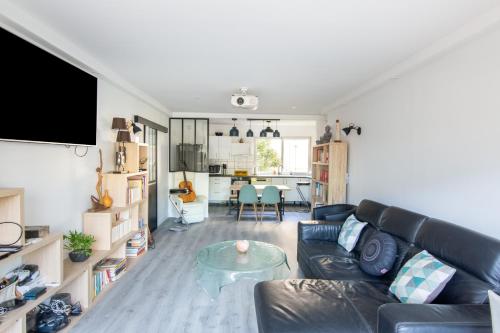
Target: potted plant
(79,245)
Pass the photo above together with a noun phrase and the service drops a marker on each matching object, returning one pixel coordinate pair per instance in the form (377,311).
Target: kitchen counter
(267,176)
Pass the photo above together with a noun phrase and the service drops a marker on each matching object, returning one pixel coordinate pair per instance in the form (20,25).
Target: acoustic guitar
(190,196)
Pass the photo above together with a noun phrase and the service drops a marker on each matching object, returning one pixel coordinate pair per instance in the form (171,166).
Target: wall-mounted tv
(43,98)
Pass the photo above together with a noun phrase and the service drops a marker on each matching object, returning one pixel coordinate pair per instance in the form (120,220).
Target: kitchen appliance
(214,169)
(224,169)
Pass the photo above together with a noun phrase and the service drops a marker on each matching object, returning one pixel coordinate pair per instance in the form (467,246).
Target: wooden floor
(160,293)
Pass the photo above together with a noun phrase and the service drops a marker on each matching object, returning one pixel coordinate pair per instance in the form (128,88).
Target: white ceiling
(298,55)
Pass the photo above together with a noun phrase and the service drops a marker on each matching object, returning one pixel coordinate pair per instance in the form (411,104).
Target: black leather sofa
(338,296)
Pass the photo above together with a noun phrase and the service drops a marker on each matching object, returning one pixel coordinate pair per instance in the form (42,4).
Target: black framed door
(151,138)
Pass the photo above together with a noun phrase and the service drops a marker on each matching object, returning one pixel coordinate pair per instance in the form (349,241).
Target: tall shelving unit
(329,174)
(112,235)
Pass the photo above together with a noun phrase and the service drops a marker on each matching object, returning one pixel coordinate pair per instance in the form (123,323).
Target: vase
(107,201)
(77,256)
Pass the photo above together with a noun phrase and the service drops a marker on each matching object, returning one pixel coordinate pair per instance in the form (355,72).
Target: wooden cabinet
(219,189)
(329,174)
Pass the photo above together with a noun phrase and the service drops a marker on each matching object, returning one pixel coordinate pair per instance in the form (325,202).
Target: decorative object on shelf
(122,136)
(276,133)
(99,170)
(250,132)
(234,131)
(351,127)
(326,137)
(96,205)
(242,246)
(337,131)
(79,245)
(107,201)
(219,134)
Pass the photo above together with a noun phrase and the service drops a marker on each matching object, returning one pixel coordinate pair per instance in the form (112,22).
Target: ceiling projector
(245,101)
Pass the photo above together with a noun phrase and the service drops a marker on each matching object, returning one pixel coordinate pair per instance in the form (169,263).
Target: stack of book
(136,189)
(106,271)
(136,245)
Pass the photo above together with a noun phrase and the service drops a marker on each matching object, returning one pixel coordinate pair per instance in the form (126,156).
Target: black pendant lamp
(268,128)
(276,133)
(234,131)
(263,133)
(250,132)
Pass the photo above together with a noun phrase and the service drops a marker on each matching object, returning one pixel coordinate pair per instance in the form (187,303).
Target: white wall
(431,138)
(58,184)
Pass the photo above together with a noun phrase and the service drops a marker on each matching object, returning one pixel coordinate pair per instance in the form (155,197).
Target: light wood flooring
(160,294)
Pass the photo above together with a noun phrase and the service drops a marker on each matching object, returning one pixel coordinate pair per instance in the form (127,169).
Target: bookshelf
(114,230)
(329,172)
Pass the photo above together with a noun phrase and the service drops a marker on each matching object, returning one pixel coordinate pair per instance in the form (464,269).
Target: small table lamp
(122,136)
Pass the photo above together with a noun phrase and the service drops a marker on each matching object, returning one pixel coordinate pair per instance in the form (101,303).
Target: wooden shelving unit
(329,173)
(112,228)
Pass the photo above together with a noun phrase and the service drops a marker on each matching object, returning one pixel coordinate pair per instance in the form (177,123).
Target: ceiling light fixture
(250,132)
(263,133)
(234,131)
(268,128)
(276,133)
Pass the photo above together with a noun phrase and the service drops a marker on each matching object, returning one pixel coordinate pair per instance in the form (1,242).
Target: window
(286,155)
(296,155)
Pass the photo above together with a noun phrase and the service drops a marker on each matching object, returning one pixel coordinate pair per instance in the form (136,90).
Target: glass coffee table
(219,264)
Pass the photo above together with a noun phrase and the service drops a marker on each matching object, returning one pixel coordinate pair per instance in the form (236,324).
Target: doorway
(151,138)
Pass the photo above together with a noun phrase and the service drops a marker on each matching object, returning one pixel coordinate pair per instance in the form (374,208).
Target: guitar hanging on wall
(190,196)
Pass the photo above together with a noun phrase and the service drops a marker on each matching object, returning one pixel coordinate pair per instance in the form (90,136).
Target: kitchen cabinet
(240,149)
(219,147)
(219,189)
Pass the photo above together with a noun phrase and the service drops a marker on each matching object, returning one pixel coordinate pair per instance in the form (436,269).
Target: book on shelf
(112,267)
(136,245)
(319,190)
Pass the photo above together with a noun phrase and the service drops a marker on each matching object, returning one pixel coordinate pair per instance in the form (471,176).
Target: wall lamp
(351,127)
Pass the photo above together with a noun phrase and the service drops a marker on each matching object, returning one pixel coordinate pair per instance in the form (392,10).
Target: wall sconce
(351,127)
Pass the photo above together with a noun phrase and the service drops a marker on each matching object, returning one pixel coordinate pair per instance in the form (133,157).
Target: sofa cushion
(312,248)
(401,223)
(350,232)
(330,267)
(370,211)
(379,254)
(319,306)
(421,279)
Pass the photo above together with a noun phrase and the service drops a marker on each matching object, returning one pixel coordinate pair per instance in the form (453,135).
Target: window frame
(282,138)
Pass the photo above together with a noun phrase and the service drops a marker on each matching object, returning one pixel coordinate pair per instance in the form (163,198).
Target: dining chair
(270,196)
(248,195)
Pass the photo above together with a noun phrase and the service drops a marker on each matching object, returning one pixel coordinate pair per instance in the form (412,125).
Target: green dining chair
(270,196)
(248,195)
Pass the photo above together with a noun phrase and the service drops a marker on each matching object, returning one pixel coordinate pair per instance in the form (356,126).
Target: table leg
(237,205)
(282,206)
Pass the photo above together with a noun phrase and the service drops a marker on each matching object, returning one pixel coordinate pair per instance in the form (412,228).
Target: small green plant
(79,242)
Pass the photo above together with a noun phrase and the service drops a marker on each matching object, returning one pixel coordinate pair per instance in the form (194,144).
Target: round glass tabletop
(220,264)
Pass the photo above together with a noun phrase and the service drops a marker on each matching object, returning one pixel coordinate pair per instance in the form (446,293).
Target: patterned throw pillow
(349,234)
(421,279)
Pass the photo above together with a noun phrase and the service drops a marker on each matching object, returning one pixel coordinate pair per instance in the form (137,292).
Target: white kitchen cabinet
(219,189)
(240,149)
(219,147)
(213,147)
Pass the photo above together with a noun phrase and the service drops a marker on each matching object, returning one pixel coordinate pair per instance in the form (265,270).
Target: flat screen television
(43,98)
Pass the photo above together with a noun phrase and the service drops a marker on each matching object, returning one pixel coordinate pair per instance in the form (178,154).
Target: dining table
(259,188)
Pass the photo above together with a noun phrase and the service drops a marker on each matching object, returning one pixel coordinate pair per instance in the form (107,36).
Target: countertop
(267,176)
